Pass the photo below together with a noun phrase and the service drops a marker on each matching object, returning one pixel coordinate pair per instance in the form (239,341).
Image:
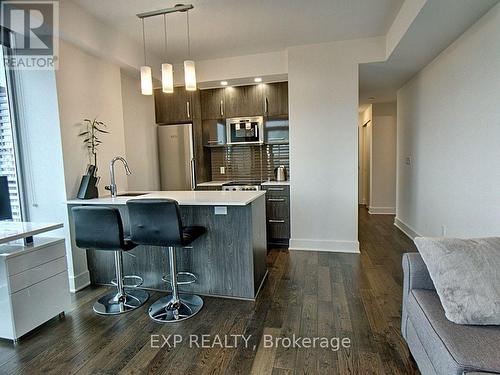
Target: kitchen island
(229,260)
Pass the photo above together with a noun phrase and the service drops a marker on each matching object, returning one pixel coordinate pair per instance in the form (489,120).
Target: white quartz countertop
(279,183)
(213,183)
(184,198)
(16,248)
(15,230)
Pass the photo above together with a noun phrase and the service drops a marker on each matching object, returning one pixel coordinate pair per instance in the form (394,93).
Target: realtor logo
(33,36)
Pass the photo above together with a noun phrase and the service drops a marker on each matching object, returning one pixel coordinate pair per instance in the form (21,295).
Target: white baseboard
(382,210)
(325,245)
(79,282)
(405,228)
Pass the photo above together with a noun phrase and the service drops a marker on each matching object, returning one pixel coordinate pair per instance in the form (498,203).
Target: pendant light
(189,67)
(167,71)
(146,77)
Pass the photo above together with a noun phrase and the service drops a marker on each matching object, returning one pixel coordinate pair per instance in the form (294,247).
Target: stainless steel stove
(242,186)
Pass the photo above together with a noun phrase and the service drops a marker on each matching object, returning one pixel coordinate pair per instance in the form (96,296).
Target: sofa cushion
(452,348)
(465,274)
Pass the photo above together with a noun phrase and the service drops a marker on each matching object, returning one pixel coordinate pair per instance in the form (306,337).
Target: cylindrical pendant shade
(146,81)
(189,75)
(167,78)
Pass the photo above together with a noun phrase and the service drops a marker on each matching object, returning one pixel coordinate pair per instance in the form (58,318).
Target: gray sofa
(438,345)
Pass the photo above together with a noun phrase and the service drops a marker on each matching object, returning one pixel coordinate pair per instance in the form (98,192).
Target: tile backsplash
(244,162)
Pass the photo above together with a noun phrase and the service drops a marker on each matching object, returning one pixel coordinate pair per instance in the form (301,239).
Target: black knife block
(88,188)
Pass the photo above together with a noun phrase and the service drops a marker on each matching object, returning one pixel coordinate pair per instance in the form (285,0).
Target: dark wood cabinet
(214,132)
(244,101)
(278,214)
(212,104)
(201,156)
(181,106)
(269,99)
(276,99)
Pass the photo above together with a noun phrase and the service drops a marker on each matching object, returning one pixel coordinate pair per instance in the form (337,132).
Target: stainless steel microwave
(245,130)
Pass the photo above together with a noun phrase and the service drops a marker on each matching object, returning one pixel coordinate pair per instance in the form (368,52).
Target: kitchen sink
(131,194)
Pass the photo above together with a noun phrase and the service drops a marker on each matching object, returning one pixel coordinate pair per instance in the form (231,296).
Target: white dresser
(34,284)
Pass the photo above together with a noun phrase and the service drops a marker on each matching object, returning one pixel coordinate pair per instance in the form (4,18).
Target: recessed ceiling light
(223,83)
(371,98)
(257,79)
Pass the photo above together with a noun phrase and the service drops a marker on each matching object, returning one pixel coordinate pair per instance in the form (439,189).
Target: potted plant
(91,139)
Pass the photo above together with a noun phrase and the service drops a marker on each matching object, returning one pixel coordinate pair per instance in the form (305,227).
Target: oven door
(245,131)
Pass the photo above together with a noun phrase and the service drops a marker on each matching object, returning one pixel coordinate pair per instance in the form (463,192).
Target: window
(8,144)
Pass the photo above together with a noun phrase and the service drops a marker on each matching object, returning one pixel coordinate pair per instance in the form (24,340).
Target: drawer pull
(276,221)
(276,189)
(276,199)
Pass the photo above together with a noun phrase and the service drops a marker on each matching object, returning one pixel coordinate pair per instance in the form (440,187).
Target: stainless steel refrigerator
(175,150)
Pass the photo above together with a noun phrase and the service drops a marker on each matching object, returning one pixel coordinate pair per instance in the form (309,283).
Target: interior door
(175,148)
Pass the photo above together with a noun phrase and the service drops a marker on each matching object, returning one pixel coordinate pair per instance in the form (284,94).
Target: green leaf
(101,131)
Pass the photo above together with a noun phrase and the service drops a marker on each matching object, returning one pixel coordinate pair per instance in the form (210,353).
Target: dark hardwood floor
(308,294)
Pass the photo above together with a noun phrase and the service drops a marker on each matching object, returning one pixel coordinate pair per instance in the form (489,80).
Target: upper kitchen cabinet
(181,106)
(214,132)
(276,99)
(212,104)
(244,101)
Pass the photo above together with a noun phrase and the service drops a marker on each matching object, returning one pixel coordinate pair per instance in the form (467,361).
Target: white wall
(383,159)
(41,151)
(323,100)
(89,87)
(448,124)
(141,141)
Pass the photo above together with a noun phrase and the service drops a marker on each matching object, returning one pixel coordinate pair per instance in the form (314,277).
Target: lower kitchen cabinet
(278,214)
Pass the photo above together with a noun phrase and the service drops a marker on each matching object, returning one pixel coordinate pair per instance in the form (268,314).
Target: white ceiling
(224,28)
(439,23)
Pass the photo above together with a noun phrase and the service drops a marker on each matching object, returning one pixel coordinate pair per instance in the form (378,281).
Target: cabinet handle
(213,142)
(276,189)
(222,108)
(276,200)
(193,176)
(266,105)
(276,221)
(277,139)
(188,109)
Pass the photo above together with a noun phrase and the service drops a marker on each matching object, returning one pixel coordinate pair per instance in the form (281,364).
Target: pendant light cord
(188,36)
(144,41)
(165,33)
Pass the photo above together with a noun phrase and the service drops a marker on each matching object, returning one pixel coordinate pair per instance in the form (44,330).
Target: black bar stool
(157,222)
(101,228)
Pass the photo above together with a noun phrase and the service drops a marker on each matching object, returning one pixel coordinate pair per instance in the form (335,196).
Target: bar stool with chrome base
(101,228)
(157,222)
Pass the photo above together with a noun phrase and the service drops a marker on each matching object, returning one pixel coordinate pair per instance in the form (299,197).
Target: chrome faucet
(112,187)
